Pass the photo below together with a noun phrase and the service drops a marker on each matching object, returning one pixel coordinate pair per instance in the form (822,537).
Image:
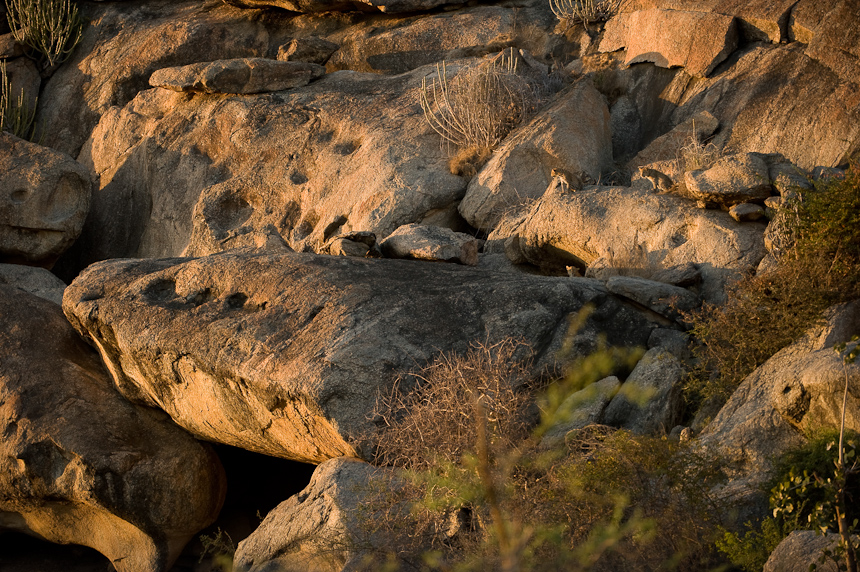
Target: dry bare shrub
(469,160)
(584,11)
(437,420)
(49,28)
(697,155)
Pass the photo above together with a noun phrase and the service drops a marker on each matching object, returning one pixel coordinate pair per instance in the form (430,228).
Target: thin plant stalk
(50,28)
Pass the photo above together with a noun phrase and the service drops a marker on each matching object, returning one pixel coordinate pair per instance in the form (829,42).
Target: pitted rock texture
(696,41)
(637,230)
(284,353)
(571,134)
(79,464)
(44,200)
(241,75)
(311,163)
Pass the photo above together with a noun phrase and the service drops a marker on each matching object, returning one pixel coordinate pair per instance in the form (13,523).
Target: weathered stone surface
(649,401)
(23,78)
(696,41)
(310,49)
(583,408)
(666,299)
(125,42)
(36,281)
(284,353)
(797,391)
(746,212)
(324,528)
(389,6)
(245,75)
(9,47)
(635,229)
(45,200)
(668,147)
(352,244)
(800,550)
(310,162)
(421,242)
(572,134)
(78,463)
(733,180)
(832,34)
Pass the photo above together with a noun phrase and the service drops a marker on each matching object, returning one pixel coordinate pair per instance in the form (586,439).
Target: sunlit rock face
(79,464)
(44,200)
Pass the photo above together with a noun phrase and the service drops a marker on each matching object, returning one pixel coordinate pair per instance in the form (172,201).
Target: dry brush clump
(586,12)
(49,28)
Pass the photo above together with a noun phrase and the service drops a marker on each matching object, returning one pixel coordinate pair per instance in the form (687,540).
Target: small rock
(824,173)
(734,179)
(419,242)
(243,75)
(36,281)
(310,49)
(746,212)
(788,179)
(583,408)
(351,244)
(675,342)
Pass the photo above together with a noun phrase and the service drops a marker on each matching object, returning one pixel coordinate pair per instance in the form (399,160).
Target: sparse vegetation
(16,115)
(504,501)
(585,12)
(476,107)
(819,266)
(49,28)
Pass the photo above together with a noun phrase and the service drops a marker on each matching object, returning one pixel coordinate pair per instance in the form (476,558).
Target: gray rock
(670,301)
(81,465)
(746,212)
(640,231)
(733,179)
(283,353)
(309,49)
(572,134)
(649,401)
(800,550)
(797,391)
(247,75)
(698,41)
(421,242)
(582,408)
(788,179)
(328,526)
(675,342)
(36,281)
(45,200)
(684,275)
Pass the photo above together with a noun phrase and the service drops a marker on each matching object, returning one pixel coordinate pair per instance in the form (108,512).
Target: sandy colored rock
(36,281)
(44,202)
(310,49)
(732,180)
(572,134)
(284,353)
(746,212)
(319,166)
(81,465)
(421,242)
(246,75)
(638,230)
(696,41)
(669,146)
(389,6)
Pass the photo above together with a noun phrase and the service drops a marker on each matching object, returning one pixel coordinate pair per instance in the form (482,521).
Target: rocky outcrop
(572,134)
(665,299)
(696,41)
(326,527)
(310,49)
(649,401)
(45,199)
(798,390)
(421,242)
(247,75)
(732,180)
(284,353)
(637,230)
(36,281)
(310,163)
(390,6)
(78,463)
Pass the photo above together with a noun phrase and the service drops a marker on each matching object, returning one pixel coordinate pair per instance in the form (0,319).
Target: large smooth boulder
(284,353)
(311,163)
(637,230)
(328,527)
(572,134)
(798,391)
(421,242)
(79,464)
(44,202)
(802,549)
(732,180)
(696,41)
(238,75)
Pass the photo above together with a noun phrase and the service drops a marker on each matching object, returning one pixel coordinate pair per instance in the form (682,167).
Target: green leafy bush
(819,266)
(49,28)
(751,550)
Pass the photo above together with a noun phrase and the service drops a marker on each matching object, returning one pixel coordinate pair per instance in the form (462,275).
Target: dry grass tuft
(469,160)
